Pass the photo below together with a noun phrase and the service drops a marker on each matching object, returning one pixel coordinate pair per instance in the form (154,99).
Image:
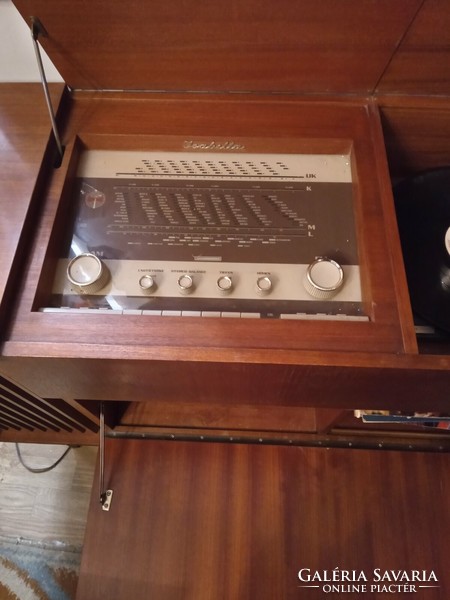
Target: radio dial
(87,273)
(323,279)
(263,285)
(185,284)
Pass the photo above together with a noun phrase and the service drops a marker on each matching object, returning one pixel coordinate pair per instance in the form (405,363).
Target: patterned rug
(31,571)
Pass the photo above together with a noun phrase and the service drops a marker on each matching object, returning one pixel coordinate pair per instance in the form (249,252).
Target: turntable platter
(423,212)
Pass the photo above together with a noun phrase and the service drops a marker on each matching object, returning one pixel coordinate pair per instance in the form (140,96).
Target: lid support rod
(36,29)
(105,495)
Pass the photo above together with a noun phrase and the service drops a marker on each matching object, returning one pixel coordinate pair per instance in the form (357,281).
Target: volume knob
(323,279)
(87,273)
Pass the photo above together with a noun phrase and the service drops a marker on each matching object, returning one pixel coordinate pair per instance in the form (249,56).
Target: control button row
(186,284)
(204,313)
(201,313)
(323,278)
(323,317)
(159,313)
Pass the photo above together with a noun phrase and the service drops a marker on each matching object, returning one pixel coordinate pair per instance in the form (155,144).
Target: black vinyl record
(423,214)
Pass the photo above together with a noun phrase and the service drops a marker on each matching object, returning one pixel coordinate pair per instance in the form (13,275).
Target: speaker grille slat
(21,409)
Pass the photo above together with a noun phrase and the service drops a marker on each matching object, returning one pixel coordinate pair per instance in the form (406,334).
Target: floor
(49,507)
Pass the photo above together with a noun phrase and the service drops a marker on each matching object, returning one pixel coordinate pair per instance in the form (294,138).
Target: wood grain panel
(337,380)
(416,133)
(233,522)
(108,119)
(26,436)
(25,131)
(421,65)
(213,415)
(288,45)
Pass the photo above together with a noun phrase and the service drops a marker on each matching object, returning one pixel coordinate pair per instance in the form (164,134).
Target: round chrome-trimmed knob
(87,273)
(185,284)
(147,283)
(323,278)
(263,285)
(224,284)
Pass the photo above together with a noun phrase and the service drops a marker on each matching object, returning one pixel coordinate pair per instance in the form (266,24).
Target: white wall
(17,56)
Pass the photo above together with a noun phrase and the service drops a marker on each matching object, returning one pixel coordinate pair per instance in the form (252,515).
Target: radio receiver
(211,234)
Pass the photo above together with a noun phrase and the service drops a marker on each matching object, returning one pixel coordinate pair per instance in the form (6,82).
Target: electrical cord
(42,469)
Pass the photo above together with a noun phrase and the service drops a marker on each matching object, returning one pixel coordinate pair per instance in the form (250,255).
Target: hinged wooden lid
(301,46)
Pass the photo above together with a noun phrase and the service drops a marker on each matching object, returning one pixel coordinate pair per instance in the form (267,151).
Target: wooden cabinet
(355,78)
(202,521)
(192,517)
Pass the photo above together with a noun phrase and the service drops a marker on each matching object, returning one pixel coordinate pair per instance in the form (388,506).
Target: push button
(263,285)
(147,283)
(224,284)
(185,284)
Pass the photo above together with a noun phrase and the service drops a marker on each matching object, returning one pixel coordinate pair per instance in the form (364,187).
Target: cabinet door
(211,521)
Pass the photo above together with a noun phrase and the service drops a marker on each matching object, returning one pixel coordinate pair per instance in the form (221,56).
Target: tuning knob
(323,279)
(87,273)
